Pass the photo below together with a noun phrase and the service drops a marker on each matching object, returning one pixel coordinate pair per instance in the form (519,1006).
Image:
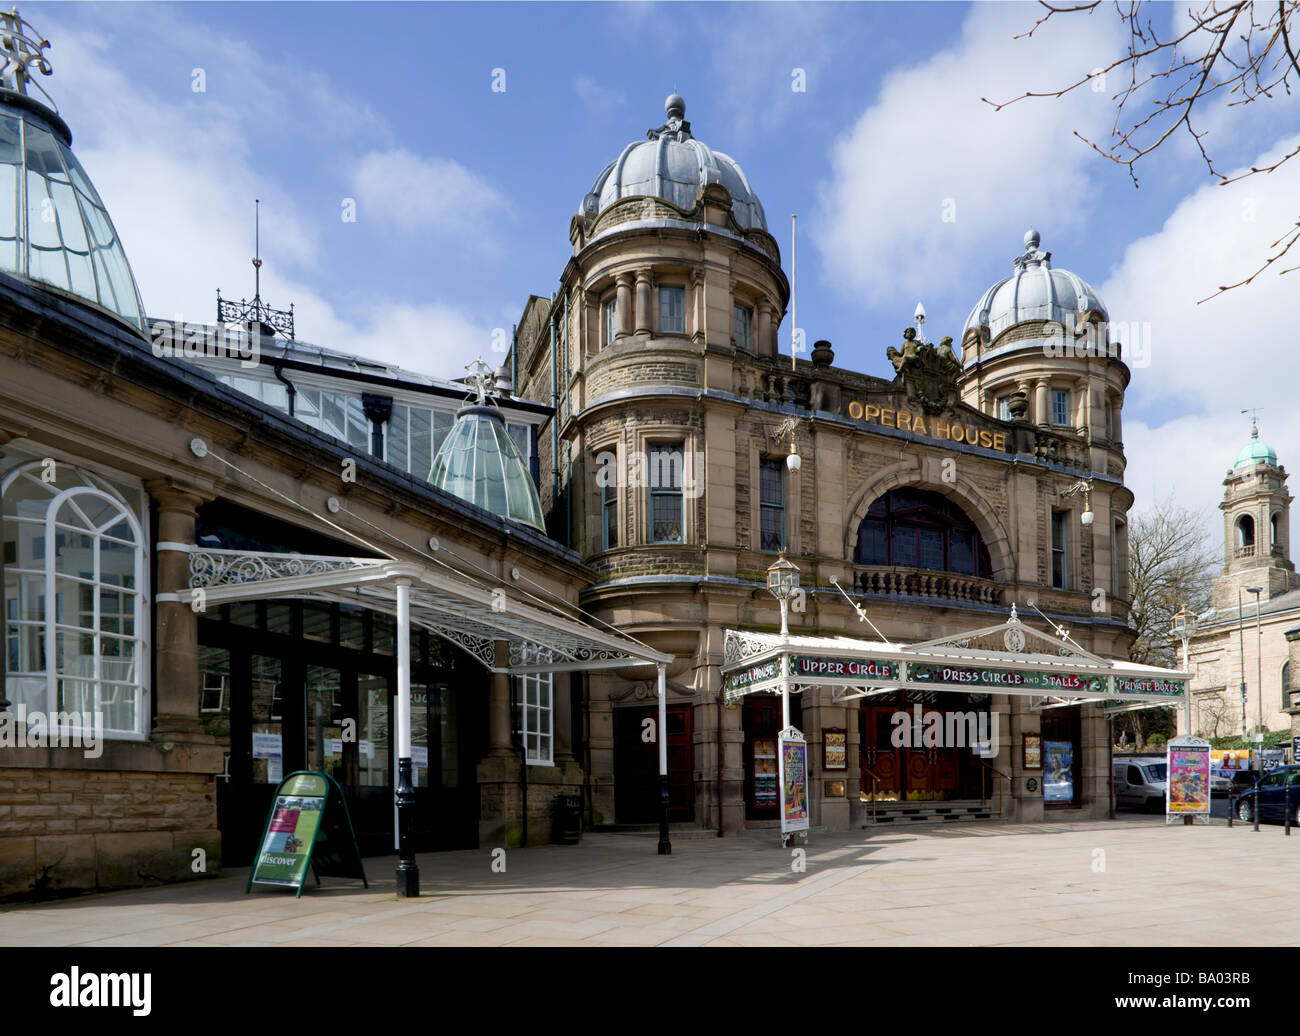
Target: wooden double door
(636,766)
(910,771)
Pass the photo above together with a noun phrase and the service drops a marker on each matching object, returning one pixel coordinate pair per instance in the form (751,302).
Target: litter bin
(567,816)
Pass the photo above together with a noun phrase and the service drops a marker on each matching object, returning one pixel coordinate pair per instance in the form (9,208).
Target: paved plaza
(1131,881)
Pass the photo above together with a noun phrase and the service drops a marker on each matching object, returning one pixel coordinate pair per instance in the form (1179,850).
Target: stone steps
(907,813)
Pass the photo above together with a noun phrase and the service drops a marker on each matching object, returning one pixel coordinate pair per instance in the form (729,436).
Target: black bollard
(1287,793)
(1254,805)
(408,872)
(665,846)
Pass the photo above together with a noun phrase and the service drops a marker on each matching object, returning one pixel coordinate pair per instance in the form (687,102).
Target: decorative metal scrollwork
(227,568)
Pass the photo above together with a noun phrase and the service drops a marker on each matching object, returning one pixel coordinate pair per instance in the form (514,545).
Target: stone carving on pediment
(928,372)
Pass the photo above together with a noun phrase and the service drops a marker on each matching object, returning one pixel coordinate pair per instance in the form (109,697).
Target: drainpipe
(293,392)
(555,419)
(568,460)
(514,356)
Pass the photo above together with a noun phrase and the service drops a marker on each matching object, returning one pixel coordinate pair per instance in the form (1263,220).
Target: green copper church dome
(478,462)
(1255,452)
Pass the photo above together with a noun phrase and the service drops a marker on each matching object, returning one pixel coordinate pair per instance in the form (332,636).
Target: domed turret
(1255,452)
(54,228)
(671,164)
(1034,292)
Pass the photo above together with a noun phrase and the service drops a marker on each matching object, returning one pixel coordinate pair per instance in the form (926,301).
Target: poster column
(1187,789)
(792,763)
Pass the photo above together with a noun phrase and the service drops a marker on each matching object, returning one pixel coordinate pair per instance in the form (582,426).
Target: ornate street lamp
(1184,628)
(783,583)
(1083,486)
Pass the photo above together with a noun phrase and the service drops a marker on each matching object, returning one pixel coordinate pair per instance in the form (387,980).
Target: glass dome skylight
(478,462)
(54,229)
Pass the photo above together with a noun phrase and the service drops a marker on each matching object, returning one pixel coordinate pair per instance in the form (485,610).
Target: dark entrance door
(289,686)
(920,768)
(880,761)
(636,766)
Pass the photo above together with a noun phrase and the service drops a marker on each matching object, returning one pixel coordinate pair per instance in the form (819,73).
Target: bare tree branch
(1171,81)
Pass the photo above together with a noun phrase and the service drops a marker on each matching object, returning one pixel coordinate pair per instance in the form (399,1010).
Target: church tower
(1256,526)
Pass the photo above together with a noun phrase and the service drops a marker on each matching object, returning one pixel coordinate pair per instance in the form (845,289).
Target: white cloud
(597,99)
(929,140)
(178,177)
(431,195)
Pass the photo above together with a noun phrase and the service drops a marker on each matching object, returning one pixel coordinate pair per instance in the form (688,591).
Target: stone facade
(1233,646)
(716,388)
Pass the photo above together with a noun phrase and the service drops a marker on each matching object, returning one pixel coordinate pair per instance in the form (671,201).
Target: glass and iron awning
(1010,658)
(444,602)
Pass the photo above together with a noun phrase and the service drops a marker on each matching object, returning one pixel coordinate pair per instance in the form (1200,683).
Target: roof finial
(22,48)
(480,379)
(1254,420)
(675,124)
(1033,255)
(257,249)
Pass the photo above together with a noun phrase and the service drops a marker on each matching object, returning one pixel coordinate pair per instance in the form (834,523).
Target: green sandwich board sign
(308,825)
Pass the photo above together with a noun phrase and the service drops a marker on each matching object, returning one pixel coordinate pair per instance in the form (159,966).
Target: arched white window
(75,599)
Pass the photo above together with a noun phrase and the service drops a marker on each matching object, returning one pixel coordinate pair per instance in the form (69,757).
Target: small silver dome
(673,165)
(1034,291)
(478,462)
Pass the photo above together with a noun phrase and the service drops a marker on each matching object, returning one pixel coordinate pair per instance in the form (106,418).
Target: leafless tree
(1211,713)
(1170,565)
(1241,51)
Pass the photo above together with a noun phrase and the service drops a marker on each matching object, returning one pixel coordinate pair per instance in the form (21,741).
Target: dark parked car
(1270,795)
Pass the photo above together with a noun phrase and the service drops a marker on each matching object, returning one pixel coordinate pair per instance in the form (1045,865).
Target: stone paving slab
(1128,882)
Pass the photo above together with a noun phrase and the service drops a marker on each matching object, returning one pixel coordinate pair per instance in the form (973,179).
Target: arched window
(1245,531)
(1286,685)
(75,608)
(1272,531)
(911,528)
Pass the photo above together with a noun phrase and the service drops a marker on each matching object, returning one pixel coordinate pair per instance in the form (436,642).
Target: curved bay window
(912,528)
(75,613)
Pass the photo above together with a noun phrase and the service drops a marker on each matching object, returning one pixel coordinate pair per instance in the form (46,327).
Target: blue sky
(464,195)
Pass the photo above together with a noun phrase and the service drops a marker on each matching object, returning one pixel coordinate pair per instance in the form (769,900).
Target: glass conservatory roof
(478,462)
(54,229)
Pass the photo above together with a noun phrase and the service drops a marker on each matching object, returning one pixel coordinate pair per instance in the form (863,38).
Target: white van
(1140,782)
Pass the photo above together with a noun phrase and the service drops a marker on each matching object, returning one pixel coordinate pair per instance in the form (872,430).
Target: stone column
(562,717)
(1042,404)
(763,332)
(623,315)
(501,802)
(176,633)
(499,740)
(1116,431)
(1083,405)
(644,315)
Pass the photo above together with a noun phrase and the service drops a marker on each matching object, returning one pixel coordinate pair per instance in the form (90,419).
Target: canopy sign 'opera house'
(526,564)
